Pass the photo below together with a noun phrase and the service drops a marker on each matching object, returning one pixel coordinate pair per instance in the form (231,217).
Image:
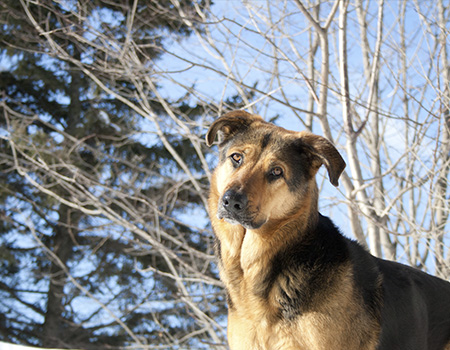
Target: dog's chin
(246,223)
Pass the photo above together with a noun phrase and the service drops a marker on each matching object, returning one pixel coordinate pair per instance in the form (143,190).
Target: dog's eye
(276,172)
(236,158)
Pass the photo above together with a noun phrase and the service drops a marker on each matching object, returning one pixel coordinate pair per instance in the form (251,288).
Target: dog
(293,281)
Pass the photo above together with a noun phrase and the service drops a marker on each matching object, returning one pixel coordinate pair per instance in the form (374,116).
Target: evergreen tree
(92,209)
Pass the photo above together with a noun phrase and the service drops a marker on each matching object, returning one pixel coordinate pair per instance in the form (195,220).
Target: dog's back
(416,309)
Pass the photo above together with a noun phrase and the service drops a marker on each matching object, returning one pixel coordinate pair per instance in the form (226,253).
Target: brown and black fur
(293,281)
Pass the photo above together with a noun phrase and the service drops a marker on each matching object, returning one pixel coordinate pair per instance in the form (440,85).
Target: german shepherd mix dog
(293,281)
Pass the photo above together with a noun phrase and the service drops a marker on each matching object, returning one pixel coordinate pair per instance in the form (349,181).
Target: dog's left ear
(327,154)
(229,125)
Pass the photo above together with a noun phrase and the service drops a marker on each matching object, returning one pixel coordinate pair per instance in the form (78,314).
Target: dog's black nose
(234,201)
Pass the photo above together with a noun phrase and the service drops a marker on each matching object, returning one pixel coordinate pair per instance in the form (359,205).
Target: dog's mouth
(247,221)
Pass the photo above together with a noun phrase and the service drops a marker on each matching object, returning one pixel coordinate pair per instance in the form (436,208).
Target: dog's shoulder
(367,277)
(305,270)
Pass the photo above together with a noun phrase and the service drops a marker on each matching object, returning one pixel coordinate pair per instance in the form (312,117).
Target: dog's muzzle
(234,208)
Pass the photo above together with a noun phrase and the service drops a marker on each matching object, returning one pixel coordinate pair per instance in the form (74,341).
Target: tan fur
(246,254)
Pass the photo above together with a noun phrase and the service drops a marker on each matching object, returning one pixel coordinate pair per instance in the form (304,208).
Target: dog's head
(266,172)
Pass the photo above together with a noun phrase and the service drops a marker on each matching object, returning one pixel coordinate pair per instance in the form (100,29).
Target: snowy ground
(7,346)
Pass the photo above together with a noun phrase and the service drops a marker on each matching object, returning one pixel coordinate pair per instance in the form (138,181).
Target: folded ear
(327,154)
(230,124)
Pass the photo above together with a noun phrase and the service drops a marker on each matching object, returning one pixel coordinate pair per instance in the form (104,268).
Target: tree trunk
(442,206)
(55,327)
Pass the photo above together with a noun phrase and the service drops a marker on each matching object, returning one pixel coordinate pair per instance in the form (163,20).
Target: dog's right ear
(230,124)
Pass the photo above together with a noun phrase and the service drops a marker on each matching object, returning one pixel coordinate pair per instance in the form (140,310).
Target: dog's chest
(253,252)
(274,319)
(312,331)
